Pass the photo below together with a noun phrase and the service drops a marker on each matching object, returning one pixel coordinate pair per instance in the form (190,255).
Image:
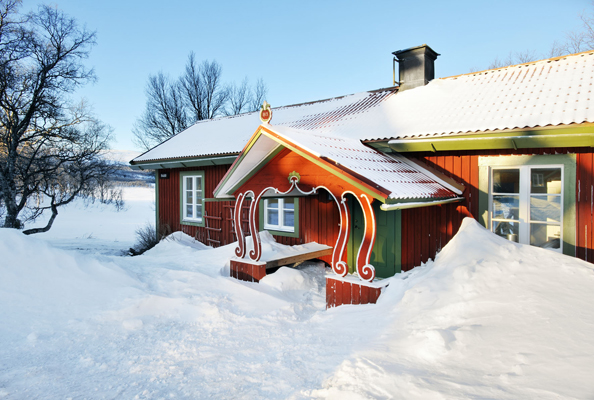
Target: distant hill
(125,174)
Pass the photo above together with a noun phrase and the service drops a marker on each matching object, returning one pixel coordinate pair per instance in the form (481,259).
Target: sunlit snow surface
(488,319)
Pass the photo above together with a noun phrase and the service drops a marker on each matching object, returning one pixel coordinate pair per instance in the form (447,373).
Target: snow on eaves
(227,135)
(544,93)
(404,180)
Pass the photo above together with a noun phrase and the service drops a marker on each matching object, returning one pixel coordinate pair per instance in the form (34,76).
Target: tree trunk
(49,223)
(11,220)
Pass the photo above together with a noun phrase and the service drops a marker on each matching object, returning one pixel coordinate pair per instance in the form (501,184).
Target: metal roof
(394,175)
(400,177)
(544,93)
(229,134)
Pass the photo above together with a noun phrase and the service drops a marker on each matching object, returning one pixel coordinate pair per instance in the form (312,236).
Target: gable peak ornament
(265,113)
(294,176)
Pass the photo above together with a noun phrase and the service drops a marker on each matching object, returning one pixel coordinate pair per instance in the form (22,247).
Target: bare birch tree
(198,94)
(243,98)
(165,114)
(50,148)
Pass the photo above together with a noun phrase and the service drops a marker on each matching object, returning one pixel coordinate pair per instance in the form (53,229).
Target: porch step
(351,290)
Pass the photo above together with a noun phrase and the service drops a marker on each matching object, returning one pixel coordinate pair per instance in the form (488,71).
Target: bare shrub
(147,238)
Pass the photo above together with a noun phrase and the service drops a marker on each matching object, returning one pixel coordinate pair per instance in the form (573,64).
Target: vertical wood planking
(463,167)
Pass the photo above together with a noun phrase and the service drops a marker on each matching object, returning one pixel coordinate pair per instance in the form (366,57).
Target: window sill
(193,222)
(277,232)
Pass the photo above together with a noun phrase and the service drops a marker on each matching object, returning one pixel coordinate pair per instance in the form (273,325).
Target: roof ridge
(557,58)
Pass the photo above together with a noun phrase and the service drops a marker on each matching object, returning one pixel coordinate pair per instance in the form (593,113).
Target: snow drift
(487,319)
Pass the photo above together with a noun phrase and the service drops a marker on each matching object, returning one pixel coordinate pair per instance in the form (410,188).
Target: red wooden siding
(426,230)
(318,214)
(340,292)
(169,206)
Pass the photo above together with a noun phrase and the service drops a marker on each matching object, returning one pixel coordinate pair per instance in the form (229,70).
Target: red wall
(169,206)
(318,216)
(426,230)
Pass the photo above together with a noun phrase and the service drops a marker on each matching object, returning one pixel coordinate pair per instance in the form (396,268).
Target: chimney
(415,66)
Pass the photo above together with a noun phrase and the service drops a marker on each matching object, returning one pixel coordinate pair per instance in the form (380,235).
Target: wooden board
(298,258)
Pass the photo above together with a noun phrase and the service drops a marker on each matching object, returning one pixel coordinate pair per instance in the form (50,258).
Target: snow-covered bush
(146,239)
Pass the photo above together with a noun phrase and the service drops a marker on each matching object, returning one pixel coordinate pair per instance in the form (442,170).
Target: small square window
(279,214)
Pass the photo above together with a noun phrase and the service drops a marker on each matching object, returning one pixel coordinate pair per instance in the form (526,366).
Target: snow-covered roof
(228,135)
(394,175)
(550,92)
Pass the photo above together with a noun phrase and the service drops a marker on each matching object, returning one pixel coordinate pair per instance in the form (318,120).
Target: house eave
(418,204)
(186,163)
(582,136)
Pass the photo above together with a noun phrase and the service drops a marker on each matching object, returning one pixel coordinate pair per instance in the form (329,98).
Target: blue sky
(304,50)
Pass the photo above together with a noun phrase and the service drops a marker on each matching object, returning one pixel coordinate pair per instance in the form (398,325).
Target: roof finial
(265,112)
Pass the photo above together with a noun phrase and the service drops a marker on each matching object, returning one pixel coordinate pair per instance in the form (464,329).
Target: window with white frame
(526,204)
(279,214)
(192,196)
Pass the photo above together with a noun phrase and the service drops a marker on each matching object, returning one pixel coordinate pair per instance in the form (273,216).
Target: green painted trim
(386,255)
(354,241)
(569,181)
(157,228)
(221,160)
(332,171)
(294,234)
(255,170)
(398,240)
(419,204)
(210,199)
(182,175)
(543,138)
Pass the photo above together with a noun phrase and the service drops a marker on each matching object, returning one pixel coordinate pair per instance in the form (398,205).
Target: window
(526,204)
(192,197)
(279,214)
(531,196)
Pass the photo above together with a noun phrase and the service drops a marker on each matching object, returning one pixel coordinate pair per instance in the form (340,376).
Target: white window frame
(196,204)
(524,195)
(281,216)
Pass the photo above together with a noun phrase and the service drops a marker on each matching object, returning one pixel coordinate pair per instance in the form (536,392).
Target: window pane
(506,206)
(189,183)
(272,217)
(507,230)
(506,181)
(189,199)
(189,212)
(198,194)
(546,236)
(199,211)
(272,203)
(545,180)
(289,204)
(289,219)
(545,208)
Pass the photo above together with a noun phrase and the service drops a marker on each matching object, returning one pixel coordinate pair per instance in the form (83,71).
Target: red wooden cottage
(384,178)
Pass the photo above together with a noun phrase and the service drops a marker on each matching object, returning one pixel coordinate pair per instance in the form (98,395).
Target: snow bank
(186,240)
(42,287)
(488,319)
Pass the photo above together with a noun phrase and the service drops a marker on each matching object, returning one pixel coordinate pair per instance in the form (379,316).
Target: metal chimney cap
(435,54)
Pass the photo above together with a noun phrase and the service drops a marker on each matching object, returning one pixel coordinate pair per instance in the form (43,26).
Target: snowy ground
(488,319)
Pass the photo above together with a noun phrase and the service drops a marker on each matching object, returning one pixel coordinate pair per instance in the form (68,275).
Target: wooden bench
(252,271)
